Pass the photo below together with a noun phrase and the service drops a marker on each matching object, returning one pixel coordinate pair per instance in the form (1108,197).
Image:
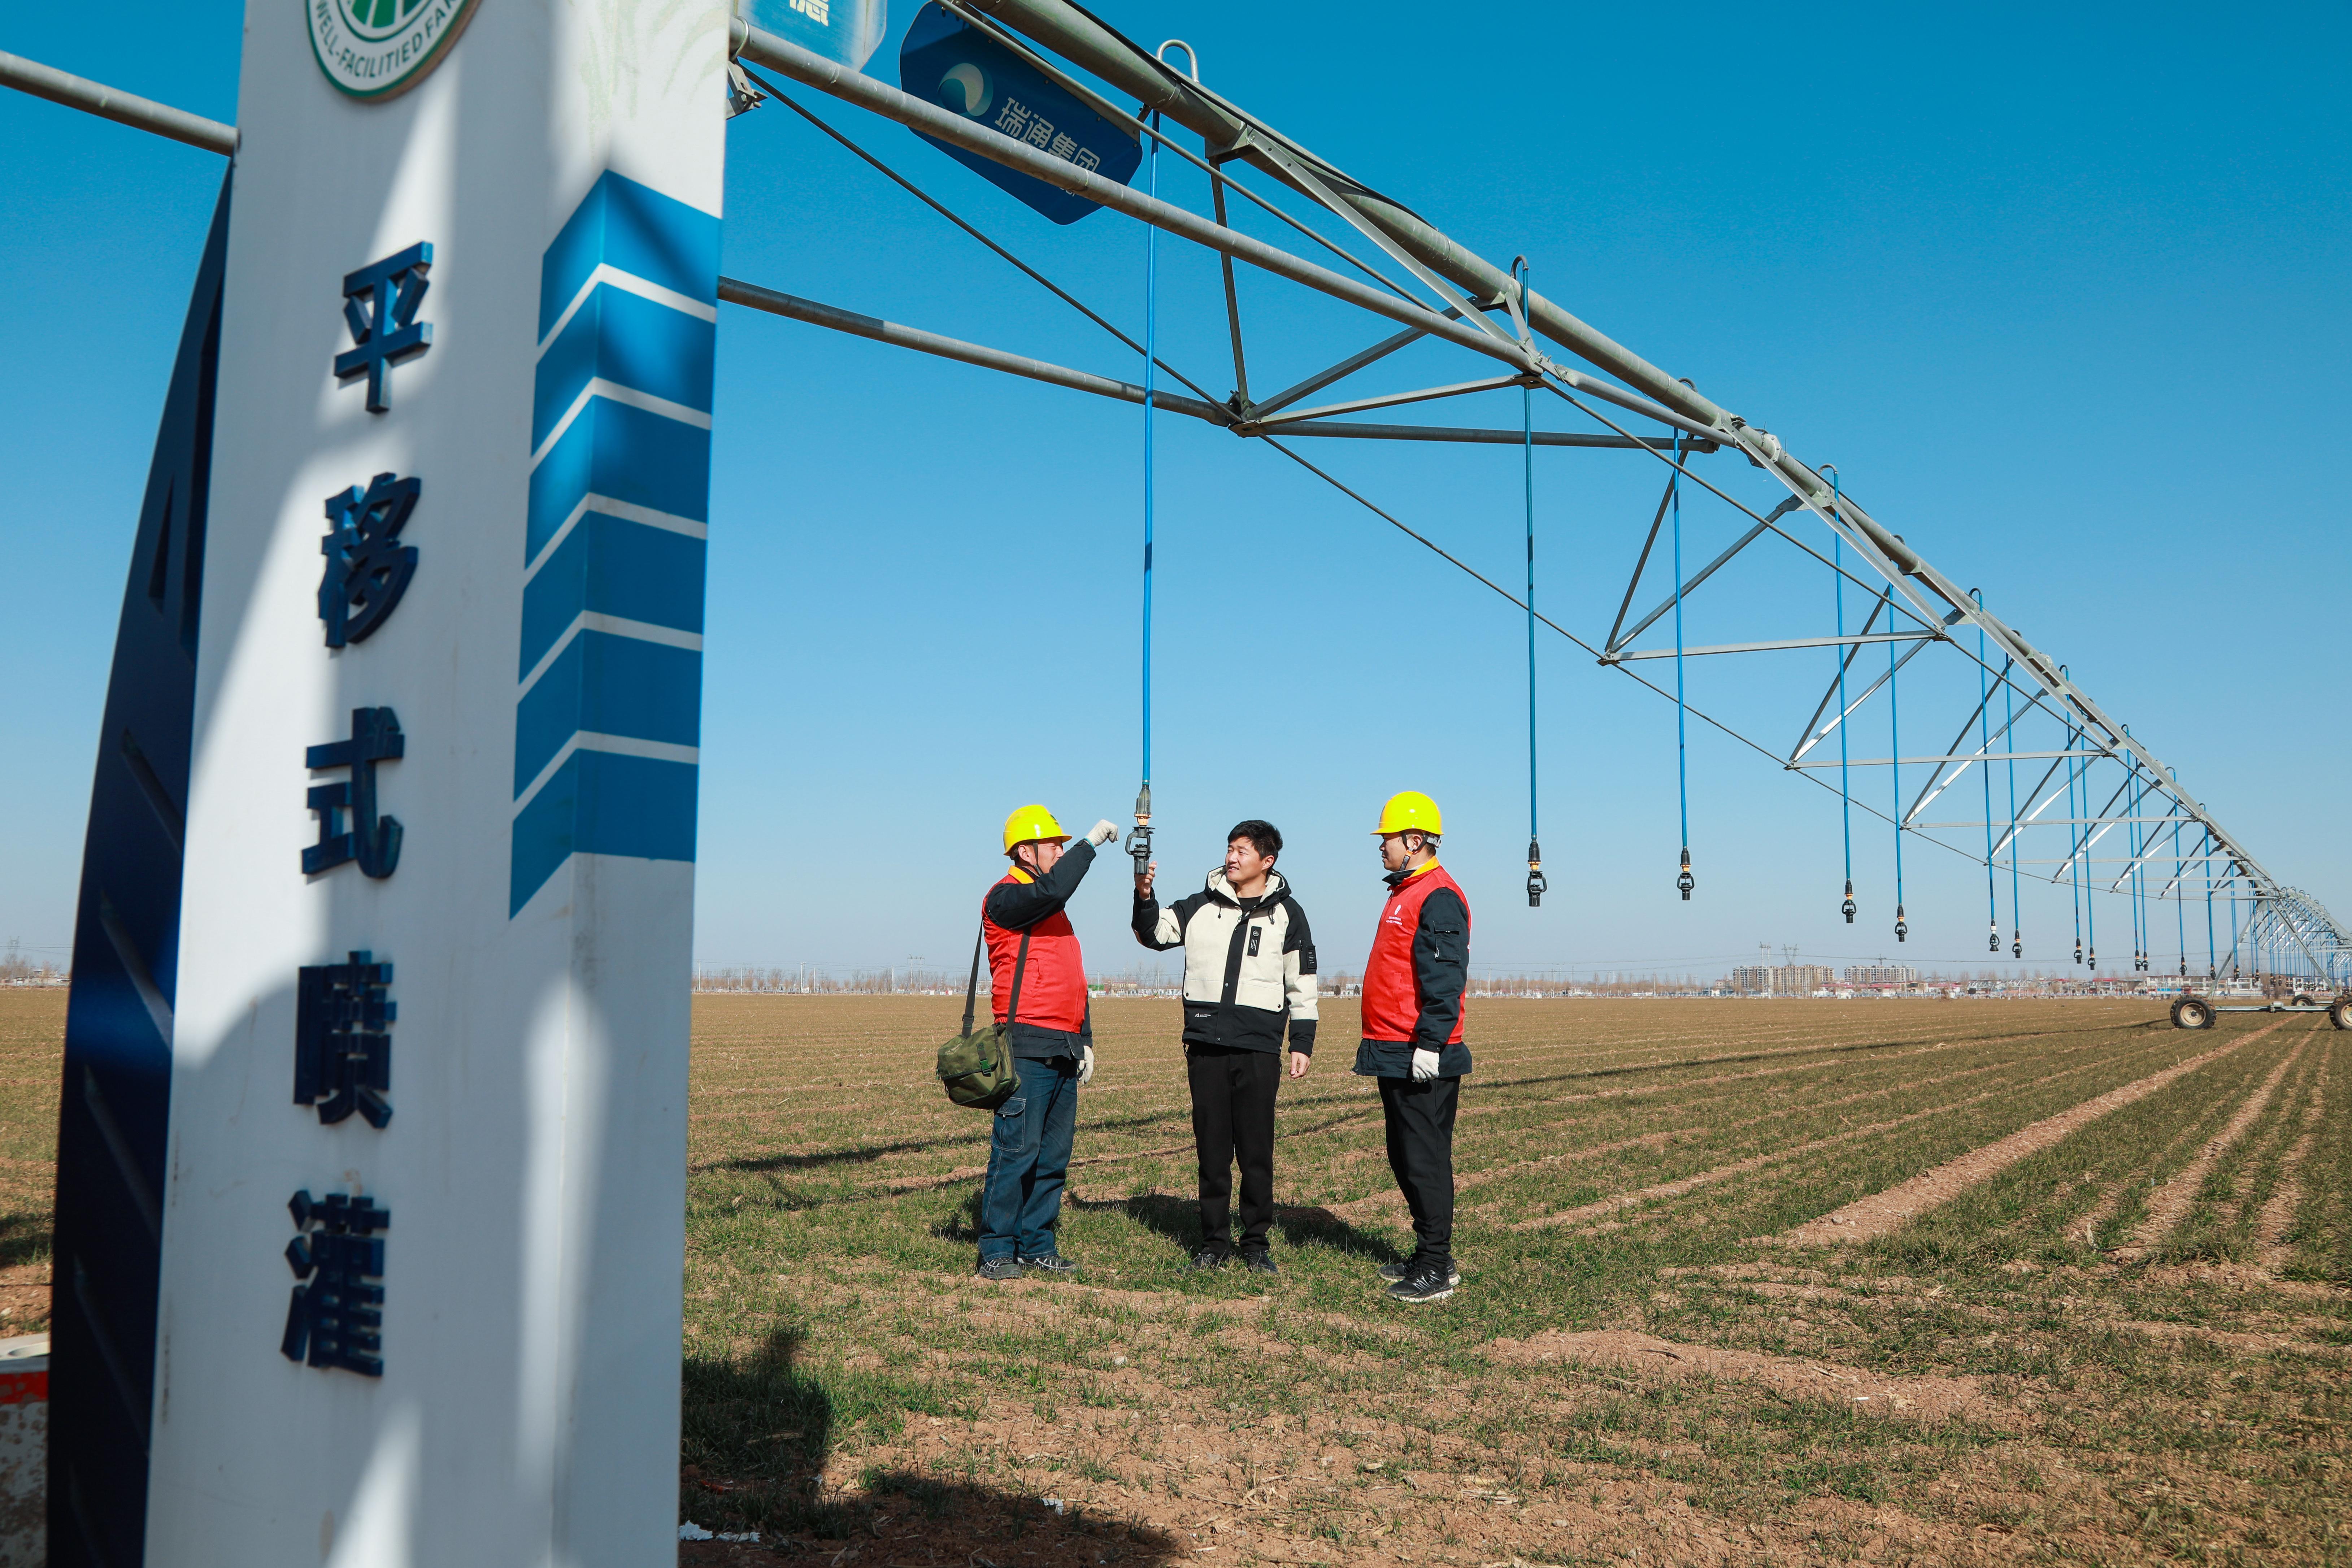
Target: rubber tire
(2339,1013)
(2300,1000)
(2192,1013)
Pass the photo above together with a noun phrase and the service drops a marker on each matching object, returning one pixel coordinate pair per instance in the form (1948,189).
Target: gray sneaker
(1427,1282)
(1392,1272)
(1050,1263)
(1254,1261)
(999,1269)
(1208,1258)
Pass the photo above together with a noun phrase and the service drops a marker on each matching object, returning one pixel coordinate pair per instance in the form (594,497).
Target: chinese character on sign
(1041,132)
(348,825)
(1014,120)
(368,567)
(1063,146)
(342,1043)
(332,1319)
(1086,160)
(379,304)
(817,10)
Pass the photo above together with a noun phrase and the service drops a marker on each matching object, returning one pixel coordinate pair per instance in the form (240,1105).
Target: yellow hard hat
(1031,823)
(1409,811)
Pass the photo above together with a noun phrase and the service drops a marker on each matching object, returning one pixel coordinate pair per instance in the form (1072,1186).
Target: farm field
(1788,1281)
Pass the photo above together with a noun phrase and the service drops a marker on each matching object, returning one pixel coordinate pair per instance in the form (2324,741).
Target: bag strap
(1012,1007)
(972,991)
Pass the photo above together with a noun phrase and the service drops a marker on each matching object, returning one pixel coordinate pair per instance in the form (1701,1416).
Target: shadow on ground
(756,1433)
(1178,1219)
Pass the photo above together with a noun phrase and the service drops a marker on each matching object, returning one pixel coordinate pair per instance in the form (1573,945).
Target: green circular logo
(377,49)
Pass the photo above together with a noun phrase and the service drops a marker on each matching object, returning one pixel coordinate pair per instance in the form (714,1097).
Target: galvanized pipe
(792,306)
(111,103)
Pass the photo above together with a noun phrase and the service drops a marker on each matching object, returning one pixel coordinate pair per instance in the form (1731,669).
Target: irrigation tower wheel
(2192,1013)
(2302,999)
(2339,1012)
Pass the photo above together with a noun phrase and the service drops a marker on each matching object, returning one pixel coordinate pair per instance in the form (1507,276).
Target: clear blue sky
(2061,293)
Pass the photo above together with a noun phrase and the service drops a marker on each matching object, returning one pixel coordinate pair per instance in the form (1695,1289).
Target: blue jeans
(1029,1161)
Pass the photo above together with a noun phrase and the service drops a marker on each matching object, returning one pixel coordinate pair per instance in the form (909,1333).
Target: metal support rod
(1472,435)
(1852,708)
(1908,761)
(1386,400)
(1642,562)
(111,103)
(1233,304)
(1854,638)
(1340,372)
(777,303)
(1682,590)
(1837,686)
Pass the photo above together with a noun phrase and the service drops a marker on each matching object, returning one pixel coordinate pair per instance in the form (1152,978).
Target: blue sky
(2060,294)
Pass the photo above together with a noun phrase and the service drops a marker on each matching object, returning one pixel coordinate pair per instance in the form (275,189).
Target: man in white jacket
(1249,980)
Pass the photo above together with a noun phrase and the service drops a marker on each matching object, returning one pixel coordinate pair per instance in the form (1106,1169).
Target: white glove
(1086,1067)
(1424,1067)
(1102,832)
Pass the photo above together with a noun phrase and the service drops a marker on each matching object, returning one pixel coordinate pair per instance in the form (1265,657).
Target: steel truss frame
(1453,296)
(1465,301)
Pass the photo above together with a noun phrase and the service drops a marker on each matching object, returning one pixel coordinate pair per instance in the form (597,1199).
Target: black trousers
(1233,1115)
(1420,1116)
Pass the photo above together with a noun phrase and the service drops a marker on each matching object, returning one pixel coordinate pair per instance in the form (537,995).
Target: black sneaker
(1256,1261)
(1050,1263)
(999,1269)
(1392,1272)
(1425,1283)
(1209,1257)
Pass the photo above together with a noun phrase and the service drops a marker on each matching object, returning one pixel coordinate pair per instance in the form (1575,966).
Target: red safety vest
(1392,994)
(1054,985)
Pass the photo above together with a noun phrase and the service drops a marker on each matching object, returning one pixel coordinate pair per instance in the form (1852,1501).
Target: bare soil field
(2096,1308)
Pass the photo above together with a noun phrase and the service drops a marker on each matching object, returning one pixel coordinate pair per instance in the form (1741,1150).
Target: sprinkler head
(1537,886)
(1902,928)
(1686,881)
(1846,909)
(1992,940)
(2017,944)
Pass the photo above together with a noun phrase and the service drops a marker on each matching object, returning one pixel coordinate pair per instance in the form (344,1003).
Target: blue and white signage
(447,695)
(844,30)
(949,62)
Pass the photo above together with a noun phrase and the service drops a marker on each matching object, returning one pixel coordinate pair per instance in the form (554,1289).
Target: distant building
(1781,979)
(1880,975)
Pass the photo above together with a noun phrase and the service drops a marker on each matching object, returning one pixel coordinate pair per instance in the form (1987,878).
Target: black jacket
(1249,963)
(1017,905)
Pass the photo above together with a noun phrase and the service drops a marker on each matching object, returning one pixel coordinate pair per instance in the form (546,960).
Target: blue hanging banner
(947,61)
(848,31)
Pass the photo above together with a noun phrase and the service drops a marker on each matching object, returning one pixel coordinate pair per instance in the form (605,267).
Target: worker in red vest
(1413,982)
(1038,985)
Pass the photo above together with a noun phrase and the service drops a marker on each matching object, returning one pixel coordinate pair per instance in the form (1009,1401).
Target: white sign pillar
(489,786)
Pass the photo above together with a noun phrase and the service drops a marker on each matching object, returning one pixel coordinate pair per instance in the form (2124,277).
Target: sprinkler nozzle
(1686,881)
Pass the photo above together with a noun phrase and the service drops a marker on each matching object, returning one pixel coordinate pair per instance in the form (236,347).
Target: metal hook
(1519,301)
(1192,53)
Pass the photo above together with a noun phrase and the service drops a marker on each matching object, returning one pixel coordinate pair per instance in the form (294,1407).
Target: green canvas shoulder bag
(977,1069)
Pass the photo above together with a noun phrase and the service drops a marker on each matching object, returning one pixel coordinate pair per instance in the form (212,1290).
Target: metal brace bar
(1341,371)
(1773,646)
(1387,400)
